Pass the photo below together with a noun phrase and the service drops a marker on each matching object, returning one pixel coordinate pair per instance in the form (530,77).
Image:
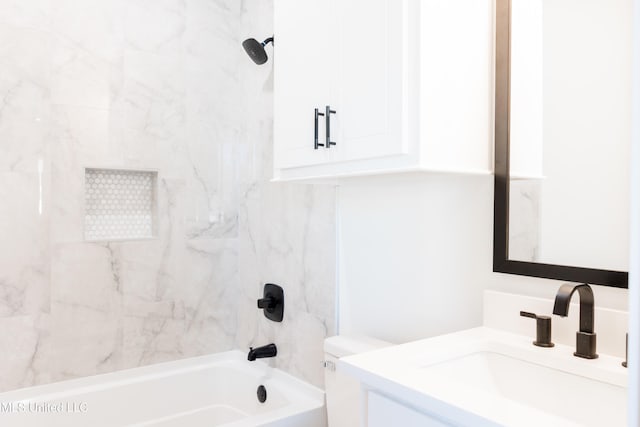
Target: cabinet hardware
(328,113)
(316,144)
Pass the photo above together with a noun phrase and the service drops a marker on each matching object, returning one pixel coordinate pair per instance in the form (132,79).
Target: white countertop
(450,377)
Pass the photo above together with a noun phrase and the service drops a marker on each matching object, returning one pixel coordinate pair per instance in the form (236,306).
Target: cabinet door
(372,91)
(302,57)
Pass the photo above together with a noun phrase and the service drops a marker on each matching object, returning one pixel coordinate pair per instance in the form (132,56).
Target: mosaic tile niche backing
(119,204)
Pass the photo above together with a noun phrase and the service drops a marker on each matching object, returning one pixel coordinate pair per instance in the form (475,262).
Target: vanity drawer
(384,412)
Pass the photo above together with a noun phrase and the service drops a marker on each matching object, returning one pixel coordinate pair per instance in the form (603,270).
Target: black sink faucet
(585,337)
(269,350)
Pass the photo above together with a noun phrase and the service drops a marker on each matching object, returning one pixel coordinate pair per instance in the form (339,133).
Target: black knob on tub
(543,329)
(272,302)
(262,394)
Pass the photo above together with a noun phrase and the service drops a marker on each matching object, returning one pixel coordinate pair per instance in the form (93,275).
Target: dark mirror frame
(501,261)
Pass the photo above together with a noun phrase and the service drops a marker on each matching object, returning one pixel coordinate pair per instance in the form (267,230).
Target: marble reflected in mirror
(570,132)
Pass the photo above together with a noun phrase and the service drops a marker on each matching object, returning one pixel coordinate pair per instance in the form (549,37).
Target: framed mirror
(563,139)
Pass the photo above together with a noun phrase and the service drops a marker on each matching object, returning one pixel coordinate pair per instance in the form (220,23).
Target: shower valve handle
(272,302)
(268,302)
(328,113)
(316,144)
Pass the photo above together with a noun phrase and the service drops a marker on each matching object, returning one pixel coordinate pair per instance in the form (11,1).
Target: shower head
(256,51)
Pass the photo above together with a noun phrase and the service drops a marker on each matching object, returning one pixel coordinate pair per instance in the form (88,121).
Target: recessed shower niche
(120,204)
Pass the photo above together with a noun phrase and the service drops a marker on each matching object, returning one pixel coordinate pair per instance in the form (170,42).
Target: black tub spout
(269,350)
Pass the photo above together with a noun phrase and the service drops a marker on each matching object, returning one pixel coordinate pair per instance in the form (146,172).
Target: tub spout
(268,350)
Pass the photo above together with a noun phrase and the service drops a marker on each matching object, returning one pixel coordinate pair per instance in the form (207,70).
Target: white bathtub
(215,390)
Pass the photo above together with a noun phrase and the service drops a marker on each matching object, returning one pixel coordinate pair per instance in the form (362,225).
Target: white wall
(416,254)
(411,251)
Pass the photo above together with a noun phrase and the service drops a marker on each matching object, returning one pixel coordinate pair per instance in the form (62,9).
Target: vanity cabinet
(395,86)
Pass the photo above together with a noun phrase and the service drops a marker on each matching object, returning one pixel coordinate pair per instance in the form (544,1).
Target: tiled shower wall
(152,85)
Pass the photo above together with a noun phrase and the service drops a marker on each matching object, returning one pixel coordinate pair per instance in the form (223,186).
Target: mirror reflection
(570,132)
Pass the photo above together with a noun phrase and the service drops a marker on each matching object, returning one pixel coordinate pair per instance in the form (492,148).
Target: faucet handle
(272,302)
(543,329)
(528,314)
(268,302)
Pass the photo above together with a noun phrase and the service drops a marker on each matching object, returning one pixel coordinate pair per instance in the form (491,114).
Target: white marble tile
(218,157)
(169,252)
(92,26)
(211,103)
(29,14)
(155,25)
(524,220)
(24,248)
(212,270)
(154,112)
(26,358)
(214,187)
(87,52)
(85,340)
(84,78)
(87,275)
(298,253)
(80,137)
(161,85)
(24,91)
(86,330)
(300,347)
(144,265)
(152,333)
(215,45)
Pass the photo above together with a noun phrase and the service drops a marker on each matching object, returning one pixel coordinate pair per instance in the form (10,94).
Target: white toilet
(343,391)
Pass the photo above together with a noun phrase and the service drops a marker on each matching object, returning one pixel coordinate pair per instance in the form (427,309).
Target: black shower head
(256,51)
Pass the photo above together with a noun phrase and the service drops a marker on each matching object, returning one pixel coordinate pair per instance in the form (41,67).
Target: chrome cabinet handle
(328,113)
(316,144)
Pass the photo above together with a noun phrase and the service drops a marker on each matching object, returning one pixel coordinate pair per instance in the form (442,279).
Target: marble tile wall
(161,85)
(524,219)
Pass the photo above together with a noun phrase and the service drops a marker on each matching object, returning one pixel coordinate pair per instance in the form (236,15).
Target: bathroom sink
(550,390)
(488,377)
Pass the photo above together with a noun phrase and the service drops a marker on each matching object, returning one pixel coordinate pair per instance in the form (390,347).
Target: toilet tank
(344,407)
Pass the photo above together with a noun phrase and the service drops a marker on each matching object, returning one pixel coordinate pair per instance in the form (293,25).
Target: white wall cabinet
(302,48)
(410,91)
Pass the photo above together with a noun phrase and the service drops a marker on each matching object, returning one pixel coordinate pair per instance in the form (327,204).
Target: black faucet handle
(267,302)
(272,302)
(543,329)
(528,314)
